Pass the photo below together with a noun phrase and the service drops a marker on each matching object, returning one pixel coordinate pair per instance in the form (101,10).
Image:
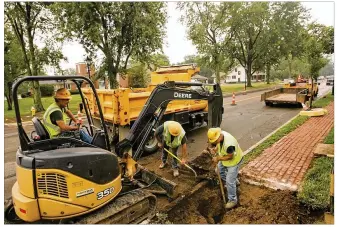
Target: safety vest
(53,130)
(167,136)
(229,140)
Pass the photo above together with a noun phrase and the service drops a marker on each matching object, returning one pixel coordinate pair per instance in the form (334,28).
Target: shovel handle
(195,173)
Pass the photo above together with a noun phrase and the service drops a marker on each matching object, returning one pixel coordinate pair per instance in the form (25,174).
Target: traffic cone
(233,100)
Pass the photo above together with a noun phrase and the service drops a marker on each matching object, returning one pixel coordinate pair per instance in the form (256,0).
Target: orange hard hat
(174,128)
(213,134)
(62,93)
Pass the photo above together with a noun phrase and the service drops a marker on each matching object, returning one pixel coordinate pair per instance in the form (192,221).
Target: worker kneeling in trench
(171,135)
(228,158)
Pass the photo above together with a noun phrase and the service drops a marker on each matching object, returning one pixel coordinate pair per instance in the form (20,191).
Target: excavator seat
(40,130)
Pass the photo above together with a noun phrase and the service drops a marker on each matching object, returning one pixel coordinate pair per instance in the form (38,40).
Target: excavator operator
(171,135)
(54,119)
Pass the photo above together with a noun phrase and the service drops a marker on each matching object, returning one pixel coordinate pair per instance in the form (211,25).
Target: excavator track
(131,208)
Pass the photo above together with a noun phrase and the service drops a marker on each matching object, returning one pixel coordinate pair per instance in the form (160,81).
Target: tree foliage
(27,21)
(315,47)
(208,28)
(14,65)
(120,30)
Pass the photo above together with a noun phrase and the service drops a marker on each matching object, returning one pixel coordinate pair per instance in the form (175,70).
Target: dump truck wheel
(151,145)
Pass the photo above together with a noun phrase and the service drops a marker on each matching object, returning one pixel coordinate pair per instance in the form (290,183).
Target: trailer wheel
(151,145)
(268,103)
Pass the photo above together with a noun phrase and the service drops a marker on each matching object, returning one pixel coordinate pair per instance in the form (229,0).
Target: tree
(284,38)
(281,69)
(29,20)
(157,60)
(119,30)
(207,28)
(13,64)
(315,47)
(204,70)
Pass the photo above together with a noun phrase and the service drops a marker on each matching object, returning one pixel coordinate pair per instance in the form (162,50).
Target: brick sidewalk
(283,165)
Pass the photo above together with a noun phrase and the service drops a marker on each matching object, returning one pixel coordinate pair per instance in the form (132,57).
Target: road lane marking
(243,99)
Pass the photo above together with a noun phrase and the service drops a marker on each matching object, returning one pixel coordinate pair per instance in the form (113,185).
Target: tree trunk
(112,72)
(9,96)
(9,102)
(268,73)
(290,65)
(36,86)
(249,74)
(312,92)
(217,74)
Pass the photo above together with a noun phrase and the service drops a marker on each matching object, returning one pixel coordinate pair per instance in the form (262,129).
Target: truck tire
(151,145)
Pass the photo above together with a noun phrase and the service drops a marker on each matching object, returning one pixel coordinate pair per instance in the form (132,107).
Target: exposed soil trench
(258,205)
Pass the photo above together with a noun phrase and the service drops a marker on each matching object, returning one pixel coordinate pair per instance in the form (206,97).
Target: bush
(46,90)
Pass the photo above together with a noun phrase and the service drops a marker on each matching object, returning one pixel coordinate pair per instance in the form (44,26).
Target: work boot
(162,165)
(230,205)
(175,172)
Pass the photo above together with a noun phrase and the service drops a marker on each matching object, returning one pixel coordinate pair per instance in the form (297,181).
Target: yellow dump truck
(122,106)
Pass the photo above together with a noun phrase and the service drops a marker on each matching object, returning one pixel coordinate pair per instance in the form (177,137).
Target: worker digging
(171,135)
(228,159)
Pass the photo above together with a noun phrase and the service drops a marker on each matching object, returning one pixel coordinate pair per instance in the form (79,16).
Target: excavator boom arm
(155,108)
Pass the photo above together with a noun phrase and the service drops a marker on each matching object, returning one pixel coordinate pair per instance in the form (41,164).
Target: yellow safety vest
(167,136)
(229,140)
(53,130)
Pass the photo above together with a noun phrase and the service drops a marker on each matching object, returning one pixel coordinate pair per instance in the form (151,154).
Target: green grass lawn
(316,184)
(26,104)
(230,88)
(322,102)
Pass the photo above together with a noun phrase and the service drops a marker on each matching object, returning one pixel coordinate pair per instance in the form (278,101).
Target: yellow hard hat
(174,128)
(213,134)
(62,93)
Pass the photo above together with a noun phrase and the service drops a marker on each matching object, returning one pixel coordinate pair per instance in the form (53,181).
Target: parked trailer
(285,95)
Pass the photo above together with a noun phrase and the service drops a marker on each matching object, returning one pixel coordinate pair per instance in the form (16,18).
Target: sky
(176,44)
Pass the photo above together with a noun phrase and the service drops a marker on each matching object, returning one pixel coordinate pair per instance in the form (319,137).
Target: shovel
(195,173)
(221,187)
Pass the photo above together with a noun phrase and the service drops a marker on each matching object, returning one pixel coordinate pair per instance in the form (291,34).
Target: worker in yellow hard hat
(171,135)
(54,119)
(228,158)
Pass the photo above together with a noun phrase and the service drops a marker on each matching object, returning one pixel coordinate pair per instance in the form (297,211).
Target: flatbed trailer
(286,95)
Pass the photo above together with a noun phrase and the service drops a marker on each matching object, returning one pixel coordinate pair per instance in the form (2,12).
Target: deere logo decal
(182,95)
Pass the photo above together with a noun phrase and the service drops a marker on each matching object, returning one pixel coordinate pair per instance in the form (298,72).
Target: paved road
(249,121)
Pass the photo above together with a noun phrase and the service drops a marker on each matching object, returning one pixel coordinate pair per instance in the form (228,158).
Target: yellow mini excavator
(66,180)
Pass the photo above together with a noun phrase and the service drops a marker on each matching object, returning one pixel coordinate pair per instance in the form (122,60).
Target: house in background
(238,75)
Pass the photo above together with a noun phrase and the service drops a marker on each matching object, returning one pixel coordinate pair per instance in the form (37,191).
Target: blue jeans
(229,175)
(164,156)
(85,136)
